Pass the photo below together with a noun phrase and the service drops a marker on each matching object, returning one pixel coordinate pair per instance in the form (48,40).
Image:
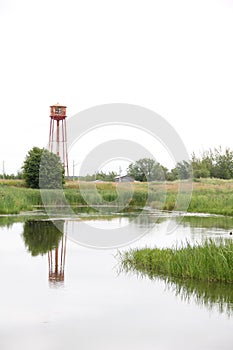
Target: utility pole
(3,169)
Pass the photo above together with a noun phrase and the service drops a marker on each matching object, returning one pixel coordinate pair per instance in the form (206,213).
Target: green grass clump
(211,261)
(13,200)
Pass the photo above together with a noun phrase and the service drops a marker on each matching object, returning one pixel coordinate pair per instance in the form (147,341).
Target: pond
(58,292)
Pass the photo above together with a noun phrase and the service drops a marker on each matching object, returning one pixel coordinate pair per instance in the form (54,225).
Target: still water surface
(57,294)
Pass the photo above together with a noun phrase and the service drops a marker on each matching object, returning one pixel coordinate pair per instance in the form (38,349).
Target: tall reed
(210,261)
(209,196)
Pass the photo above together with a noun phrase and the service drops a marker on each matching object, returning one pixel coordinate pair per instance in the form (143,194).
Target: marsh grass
(13,200)
(208,196)
(211,261)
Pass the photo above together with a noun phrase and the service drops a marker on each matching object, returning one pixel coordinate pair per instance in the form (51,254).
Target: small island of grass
(211,261)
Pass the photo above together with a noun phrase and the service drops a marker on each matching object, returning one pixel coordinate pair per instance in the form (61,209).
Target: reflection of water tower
(58,135)
(56,260)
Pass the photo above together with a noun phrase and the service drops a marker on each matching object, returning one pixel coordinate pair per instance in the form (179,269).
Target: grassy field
(208,196)
(13,199)
(210,261)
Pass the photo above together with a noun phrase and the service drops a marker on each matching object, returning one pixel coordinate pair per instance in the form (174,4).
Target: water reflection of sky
(151,230)
(97,308)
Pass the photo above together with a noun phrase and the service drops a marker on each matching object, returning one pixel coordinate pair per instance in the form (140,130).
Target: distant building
(124,178)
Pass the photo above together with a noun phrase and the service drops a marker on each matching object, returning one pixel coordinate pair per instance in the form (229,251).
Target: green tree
(214,163)
(201,166)
(172,175)
(43,169)
(223,164)
(147,169)
(184,170)
(106,177)
(208,162)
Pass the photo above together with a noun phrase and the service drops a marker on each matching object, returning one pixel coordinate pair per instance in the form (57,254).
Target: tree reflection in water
(46,237)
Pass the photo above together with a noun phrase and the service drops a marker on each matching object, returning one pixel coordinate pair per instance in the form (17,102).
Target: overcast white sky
(174,57)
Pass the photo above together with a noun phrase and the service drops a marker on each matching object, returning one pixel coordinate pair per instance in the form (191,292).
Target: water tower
(56,260)
(58,135)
